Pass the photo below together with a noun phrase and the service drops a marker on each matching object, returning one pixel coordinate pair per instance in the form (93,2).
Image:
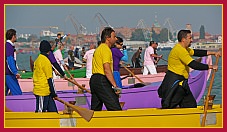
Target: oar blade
(83,112)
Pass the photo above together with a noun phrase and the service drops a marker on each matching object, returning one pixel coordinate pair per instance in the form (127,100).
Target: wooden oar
(83,112)
(72,80)
(31,64)
(133,74)
(208,93)
(164,60)
(125,77)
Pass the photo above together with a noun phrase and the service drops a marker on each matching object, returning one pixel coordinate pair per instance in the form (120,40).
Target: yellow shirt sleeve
(185,56)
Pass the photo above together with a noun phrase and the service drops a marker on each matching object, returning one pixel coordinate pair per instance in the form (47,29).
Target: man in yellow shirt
(102,80)
(43,81)
(174,89)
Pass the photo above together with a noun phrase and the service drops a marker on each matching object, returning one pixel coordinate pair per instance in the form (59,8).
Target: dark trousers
(181,99)
(45,104)
(71,64)
(102,93)
(173,94)
(133,64)
(137,63)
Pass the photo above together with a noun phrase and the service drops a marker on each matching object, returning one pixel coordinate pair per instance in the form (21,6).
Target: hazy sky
(117,16)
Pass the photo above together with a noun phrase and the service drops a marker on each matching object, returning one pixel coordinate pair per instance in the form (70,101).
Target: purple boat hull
(142,97)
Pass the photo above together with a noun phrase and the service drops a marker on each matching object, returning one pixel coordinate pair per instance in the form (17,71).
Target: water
(23,63)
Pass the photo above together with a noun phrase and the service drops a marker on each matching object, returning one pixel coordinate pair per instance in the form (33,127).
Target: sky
(116,15)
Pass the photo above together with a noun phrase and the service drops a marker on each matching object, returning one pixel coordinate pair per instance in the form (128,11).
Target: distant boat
(166,46)
(79,70)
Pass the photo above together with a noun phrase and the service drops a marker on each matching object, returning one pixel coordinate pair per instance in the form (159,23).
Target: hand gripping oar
(83,112)
(133,74)
(72,80)
(208,93)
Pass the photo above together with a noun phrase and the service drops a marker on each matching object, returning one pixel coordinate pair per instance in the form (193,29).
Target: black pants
(181,99)
(173,94)
(45,104)
(71,64)
(102,92)
(137,64)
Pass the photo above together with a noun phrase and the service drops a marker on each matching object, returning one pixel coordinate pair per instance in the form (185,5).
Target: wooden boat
(142,97)
(141,109)
(79,70)
(132,118)
(136,71)
(77,73)
(61,84)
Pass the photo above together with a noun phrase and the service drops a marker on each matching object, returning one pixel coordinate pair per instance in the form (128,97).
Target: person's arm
(216,54)
(109,74)
(157,56)
(200,53)
(12,66)
(200,66)
(125,57)
(58,68)
(84,60)
(85,57)
(64,36)
(52,90)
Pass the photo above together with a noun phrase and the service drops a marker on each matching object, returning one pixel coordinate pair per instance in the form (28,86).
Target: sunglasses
(120,44)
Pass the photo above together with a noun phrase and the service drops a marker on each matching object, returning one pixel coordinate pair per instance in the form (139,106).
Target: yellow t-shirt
(179,58)
(42,72)
(101,56)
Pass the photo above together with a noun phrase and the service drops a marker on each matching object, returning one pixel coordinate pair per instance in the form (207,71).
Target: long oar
(72,80)
(31,64)
(208,93)
(83,112)
(164,60)
(133,74)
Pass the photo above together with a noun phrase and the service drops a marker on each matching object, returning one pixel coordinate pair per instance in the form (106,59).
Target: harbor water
(23,64)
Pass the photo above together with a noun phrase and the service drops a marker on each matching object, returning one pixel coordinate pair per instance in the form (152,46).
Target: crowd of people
(102,67)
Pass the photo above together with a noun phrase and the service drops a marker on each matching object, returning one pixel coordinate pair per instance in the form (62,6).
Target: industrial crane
(170,28)
(146,31)
(80,28)
(102,21)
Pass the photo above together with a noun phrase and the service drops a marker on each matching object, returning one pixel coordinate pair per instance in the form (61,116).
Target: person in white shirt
(149,55)
(59,58)
(88,59)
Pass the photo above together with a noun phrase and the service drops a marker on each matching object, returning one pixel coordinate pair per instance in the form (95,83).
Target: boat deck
(136,118)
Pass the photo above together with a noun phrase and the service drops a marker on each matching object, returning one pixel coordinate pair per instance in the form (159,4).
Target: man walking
(102,80)
(11,72)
